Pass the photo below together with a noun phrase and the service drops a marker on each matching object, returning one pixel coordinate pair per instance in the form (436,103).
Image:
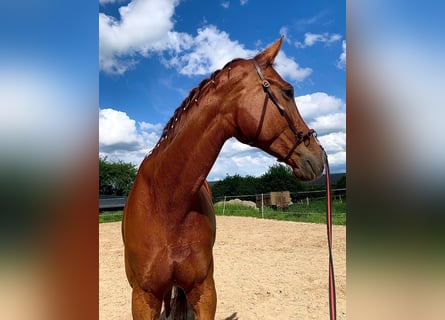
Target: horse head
(267,116)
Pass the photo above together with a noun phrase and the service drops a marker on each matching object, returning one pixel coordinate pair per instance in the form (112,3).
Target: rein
(332,295)
(300,137)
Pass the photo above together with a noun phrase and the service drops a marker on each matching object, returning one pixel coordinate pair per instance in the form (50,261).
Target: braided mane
(193,97)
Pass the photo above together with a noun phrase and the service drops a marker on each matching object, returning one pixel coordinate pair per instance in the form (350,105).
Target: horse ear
(267,56)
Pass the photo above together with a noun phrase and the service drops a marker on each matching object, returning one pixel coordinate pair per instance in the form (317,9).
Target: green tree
(279,178)
(341,183)
(234,185)
(115,178)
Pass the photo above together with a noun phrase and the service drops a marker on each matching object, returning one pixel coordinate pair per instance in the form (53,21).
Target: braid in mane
(191,98)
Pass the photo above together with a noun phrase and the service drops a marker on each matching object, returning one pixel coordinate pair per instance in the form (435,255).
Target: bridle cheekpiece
(299,135)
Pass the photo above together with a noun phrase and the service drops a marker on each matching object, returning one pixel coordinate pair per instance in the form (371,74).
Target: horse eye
(288,92)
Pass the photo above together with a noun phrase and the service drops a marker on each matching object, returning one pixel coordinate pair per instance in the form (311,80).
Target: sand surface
(264,269)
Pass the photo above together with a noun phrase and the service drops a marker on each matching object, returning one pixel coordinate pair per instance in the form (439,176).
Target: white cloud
(289,69)
(337,161)
(341,62)
(120,139)
(149,126)
(311,39)
(302,24)
(116,128)
(284,31)
(329,123)
(225,4)
(327,115)
(318,104)
(104,2)
(238,158)
(333,142)
(211,49)
(143,26)
(233,147)
(243,2)
(146,27)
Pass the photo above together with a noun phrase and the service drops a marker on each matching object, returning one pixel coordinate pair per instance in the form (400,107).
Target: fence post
(224,206)
(307,201)
(262,205)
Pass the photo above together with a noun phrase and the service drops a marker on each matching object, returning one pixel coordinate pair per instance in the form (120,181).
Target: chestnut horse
(169,225)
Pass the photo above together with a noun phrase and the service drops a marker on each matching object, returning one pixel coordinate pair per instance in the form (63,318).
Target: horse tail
(180,307)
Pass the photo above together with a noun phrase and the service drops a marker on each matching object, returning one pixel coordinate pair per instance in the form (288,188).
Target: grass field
(110,216)
(315,212)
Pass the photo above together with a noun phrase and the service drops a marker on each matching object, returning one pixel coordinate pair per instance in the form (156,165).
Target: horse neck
(180,165)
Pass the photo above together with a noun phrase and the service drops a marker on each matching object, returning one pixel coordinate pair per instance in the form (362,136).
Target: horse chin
(307,172)
(304,175)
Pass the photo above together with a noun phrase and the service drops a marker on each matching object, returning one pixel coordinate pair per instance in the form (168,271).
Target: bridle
(299,135)
(303,137)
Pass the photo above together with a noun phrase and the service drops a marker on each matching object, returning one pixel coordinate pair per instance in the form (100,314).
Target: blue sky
(152,53)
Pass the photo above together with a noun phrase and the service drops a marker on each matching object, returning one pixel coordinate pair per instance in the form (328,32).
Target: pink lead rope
(332,300)
(300,138)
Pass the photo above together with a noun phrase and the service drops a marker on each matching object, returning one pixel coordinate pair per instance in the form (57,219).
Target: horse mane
(192,98)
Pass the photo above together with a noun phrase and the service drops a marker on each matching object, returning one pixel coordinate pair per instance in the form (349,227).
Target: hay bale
(238,202)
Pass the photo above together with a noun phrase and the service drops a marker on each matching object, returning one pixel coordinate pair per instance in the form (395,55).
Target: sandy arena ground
(264,269)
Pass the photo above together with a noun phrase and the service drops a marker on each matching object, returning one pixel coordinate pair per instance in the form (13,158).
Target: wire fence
(303,206)
(337,194)
(290,204)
